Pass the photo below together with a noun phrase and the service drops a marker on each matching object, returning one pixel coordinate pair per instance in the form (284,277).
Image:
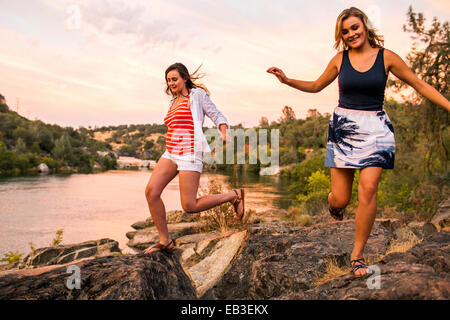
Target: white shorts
(185,163)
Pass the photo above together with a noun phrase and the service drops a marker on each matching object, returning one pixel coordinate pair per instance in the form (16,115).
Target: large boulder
(279,258)
(209,270)
(419,273)
(43,168)
(173,216)
(143,238)
(147,223)
(136,277)
(442,217)
(196,247)
(70,252)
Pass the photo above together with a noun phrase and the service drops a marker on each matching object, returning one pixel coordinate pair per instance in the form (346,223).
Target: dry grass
(303,220)
(102,136)
(293,211)
(332,271)
(402,246)
(220,217)
(299,218)
(154,137)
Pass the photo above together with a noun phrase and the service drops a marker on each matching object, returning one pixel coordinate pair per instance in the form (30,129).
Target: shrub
(298,175)
(314,201)
(12,257)
(58,238)
(303,220)
(293,211)
(220,217)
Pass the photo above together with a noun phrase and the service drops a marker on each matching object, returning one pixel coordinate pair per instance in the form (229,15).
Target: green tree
(264,122)
(22,132)
(429,59)
(288,115)
(6,159)
(109,162)
(20,146)
(63,148)
(127,150)
(3,106)
(45,139)
(22,161)
(149,145)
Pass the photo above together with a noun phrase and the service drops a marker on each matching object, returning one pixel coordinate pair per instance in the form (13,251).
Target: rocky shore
(268,258)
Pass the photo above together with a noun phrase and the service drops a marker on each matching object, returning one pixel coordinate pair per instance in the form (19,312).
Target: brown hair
(375,40)
(184,73)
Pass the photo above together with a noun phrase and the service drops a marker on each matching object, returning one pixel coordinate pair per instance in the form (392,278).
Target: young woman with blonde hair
(360,134)
(185,145)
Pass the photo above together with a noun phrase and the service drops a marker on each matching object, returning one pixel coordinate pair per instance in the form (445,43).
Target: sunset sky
(97,62)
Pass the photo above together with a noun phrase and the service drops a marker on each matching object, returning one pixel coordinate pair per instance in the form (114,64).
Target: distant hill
(26,144)
(143,141)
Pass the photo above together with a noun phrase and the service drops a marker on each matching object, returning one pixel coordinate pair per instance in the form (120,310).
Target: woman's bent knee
(339,200)
(189,207)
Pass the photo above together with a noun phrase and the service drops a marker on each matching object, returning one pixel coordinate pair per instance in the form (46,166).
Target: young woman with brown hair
(185,145)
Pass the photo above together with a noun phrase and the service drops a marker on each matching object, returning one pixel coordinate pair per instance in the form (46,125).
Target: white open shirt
(201,104)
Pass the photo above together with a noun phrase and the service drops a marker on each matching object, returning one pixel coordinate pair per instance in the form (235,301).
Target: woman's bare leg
(163,173)
(341,187)
(189,182)
(366,212)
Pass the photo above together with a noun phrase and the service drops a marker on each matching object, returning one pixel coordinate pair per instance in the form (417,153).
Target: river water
(100,205)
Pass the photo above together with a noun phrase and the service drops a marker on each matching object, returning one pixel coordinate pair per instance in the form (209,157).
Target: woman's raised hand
(278,73)
(223,130)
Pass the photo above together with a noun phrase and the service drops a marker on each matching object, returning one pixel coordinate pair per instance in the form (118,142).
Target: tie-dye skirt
(360,139)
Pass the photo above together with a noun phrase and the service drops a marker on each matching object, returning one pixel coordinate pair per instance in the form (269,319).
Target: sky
(102,62)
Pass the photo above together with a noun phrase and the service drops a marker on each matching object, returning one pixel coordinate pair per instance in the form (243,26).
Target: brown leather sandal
(237,201)
(170,247)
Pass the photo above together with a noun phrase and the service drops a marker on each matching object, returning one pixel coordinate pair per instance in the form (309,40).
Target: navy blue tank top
(362,90)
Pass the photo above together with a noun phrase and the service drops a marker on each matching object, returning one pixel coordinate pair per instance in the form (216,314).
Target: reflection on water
(264,192)
(101,205)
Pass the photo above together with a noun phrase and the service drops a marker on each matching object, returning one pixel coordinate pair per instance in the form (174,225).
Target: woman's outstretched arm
(327,77)
(399,68)
(214,114)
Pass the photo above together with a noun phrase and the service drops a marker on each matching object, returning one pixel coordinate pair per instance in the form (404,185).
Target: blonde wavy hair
(375,40)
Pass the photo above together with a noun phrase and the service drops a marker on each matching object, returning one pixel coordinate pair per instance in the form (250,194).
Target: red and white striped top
(180,136)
